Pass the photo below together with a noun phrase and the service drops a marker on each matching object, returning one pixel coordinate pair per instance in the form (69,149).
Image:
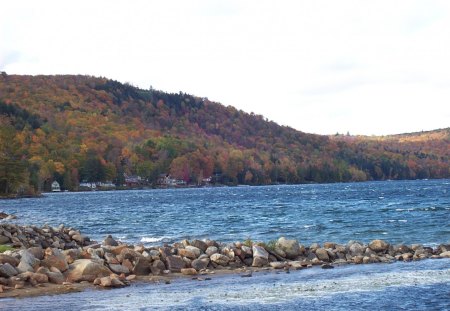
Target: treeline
(79,128)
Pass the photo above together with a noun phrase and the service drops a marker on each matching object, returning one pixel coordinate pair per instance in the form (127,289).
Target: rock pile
(63,256)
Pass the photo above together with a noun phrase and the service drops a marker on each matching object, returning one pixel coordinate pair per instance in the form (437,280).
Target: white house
(55,186)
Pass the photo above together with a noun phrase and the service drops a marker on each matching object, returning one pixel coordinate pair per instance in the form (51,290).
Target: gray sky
(367,67)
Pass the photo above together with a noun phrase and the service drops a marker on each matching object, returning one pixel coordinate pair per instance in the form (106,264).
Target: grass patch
(248,242)
(4,248)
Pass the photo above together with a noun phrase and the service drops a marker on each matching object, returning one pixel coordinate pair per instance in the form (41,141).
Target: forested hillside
(80,128)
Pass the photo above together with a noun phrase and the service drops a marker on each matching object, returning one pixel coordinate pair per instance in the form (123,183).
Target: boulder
(55,277)
(445,254)
(195,250)
(278,265)
(109,281)
(28,258)
(247,251)
(7,270)
(356,249)
(290,247)
(259,251)
(259,261)
(379,246)
(36,277)
(175,263)
(86,270)
(24,267)
(186,253)
(116,250)
(8,259)
(111,259)
(128,253)
(220,259)
(260,256)
(322,254)
(119,269)
(109,241)
(211,250)
(200,264)
(4,239)
(55,258)
(157,267)
(189,271)
(141,267)
(329,245)
(200,245)
(37,251)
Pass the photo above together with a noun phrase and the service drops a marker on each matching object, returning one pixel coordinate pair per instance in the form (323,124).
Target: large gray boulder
(291,248)
(200,264)
(260,256)
(356,249)
(7,270)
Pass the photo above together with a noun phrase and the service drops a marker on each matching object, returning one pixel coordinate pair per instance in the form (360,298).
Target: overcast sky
(367,67)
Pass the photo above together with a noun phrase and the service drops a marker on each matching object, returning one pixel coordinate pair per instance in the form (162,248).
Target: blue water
(398,211)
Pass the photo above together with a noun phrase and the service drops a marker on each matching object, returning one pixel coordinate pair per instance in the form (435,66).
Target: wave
(155,239)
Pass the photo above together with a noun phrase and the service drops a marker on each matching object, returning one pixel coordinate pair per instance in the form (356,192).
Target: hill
(80,128)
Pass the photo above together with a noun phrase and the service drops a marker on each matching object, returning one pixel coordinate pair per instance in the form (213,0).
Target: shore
(47,261)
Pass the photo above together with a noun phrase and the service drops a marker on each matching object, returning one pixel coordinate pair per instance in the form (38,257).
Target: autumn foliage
(82,128)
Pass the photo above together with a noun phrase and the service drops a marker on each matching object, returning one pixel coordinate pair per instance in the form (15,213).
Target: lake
(397,211)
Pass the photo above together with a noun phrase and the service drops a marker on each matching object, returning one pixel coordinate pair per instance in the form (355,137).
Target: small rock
(327,266)
(189,271)
(278,265)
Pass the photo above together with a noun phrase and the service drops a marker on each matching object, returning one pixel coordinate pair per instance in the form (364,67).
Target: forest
(74,129)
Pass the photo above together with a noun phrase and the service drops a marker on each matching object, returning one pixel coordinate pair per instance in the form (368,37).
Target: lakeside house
(133,181)
(95,185)
(166,180)
(56,187)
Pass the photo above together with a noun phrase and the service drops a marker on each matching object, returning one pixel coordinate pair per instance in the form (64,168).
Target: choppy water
(398,211)
(423,285)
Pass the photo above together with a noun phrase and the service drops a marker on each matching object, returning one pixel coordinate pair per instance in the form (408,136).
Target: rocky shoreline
(46,260)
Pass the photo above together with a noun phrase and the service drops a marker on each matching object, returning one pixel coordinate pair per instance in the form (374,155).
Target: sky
(363,67)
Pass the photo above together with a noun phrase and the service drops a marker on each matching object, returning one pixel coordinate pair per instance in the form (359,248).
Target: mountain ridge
(70,126)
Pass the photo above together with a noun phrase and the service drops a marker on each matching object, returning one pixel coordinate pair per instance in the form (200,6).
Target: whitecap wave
(155,239)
